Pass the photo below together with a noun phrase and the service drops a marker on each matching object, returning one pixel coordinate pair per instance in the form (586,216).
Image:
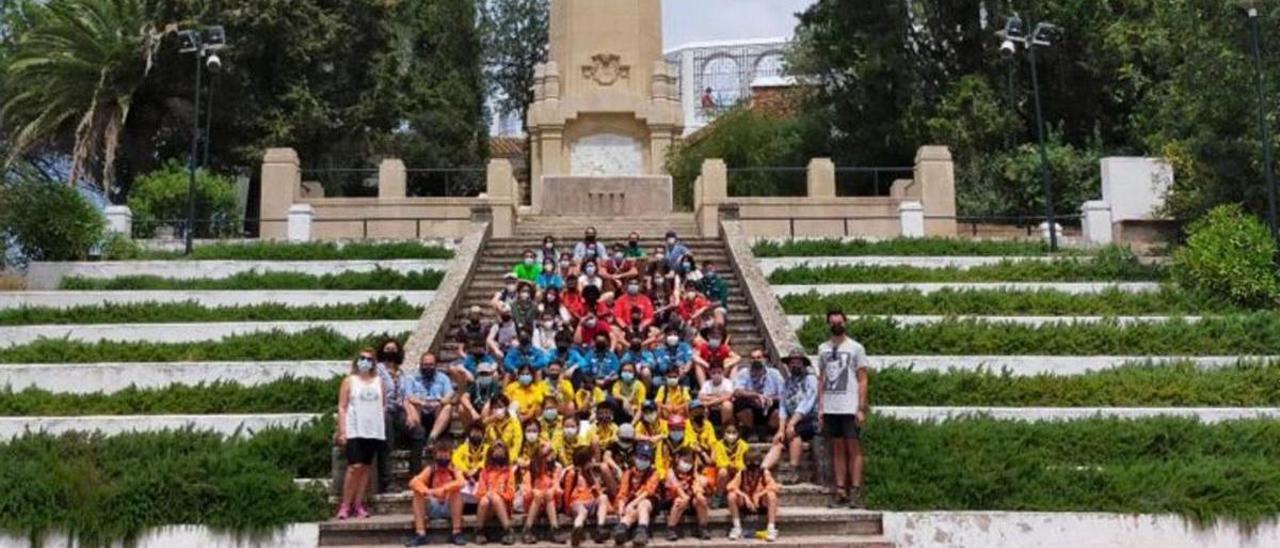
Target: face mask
(837,330)
(364,365)
(511,288)
(498,460)
(642,464)
(797,371)
(428,373)
(530,437)
(672,381)
(564,264)
(475,441)
(709,273)
(550,414)
(389,357)
(660,257)
(671,241)
(553,377)
(617,257)
(525,342)
(731,438)
(633,290)
(525,295)
(625,442)
(635,347)
(501,413)
(474,319)
(628,376)
(548,325)
(548,267)
(650,416)
(570,432)
(506,317)
(634,243)
(442,463)
(713,344)
(484,380)
(698,416)
(754,465)
(602,346)
(672,340)
(677,436)
(717,377)
(685,466)
(689,296)
(526,379)
(591,270)
(757,366)
(591,237)
(528,261)
(549,245)
(635,320)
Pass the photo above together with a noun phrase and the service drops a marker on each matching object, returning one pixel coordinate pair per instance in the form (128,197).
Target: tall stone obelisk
(606,106)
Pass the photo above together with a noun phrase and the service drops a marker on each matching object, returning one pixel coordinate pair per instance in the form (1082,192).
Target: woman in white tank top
(361,429)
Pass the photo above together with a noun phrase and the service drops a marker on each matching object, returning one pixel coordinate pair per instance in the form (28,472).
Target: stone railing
(921,206)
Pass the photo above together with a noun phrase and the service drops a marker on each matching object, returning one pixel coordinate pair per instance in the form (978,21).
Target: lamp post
(1268,165)
(1014,33)
(203,43)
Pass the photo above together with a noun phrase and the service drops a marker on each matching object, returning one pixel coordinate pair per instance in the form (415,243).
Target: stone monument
(605,111)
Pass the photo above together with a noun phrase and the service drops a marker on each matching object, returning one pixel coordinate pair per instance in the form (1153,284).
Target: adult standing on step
(589,249)
(842,404)
(361,429)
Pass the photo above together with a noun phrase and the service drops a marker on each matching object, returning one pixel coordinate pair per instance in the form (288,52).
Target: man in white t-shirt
(842,407)
(717,394)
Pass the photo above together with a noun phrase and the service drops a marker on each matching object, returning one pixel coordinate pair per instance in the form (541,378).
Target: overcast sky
(687,21)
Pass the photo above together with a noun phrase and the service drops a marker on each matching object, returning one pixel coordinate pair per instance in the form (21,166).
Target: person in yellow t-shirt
(589,397)
(469,458)
(698,428)
(556,386)
(603,430)
(672,399)
(649,427)
(729,455)
(628,391)
(549,420)
(675,441)
(526,394)
(501,426)
(568,439)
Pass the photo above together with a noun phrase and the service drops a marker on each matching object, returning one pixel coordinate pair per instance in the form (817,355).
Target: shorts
(760,415)
(840,427)
(362,450)
(807,428)
(437,509)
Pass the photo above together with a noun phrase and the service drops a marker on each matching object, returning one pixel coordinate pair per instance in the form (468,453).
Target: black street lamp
(1015,33)
(1268,165)
(203,43)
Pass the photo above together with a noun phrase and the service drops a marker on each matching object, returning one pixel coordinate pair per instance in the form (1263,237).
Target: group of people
(607,386)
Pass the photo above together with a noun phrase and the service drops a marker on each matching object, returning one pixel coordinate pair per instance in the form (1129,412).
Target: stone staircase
(805,521)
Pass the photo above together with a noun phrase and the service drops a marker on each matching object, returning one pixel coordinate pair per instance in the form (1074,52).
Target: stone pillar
(822,178)
(300,222)
(936,187)
(1097,222)
(281,182)
(911,215)
(689,95)
(500,184)
(660,140)
(1044,232)
(119,220)
(715,190)
(392,179)
(551,149)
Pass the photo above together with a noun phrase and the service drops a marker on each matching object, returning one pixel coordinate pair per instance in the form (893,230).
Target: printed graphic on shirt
(838,366)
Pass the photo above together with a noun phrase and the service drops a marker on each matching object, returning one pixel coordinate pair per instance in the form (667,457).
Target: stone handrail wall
(434,324)
(780,339)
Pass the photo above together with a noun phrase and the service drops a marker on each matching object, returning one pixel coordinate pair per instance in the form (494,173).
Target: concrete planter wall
(49,275)
(1067,530)
(11,427)
(87,378)
(193,332)
(210,299)
(298,535)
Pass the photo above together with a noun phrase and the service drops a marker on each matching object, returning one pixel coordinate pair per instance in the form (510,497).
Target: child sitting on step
(685,488)
(583,491)
(437,494)
(496,492)
(753,490)
(541,492)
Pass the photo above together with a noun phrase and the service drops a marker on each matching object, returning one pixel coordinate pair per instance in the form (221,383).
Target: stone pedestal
(911,215)
(300,222)
(119,220)
(1135,187)
(606,196)
(1097,223)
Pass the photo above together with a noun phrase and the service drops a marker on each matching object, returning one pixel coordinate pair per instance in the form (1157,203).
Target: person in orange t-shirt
(496,491)
(753,489)
(540,491)
(437,493)
(584,494)
(685,489)
(636,495)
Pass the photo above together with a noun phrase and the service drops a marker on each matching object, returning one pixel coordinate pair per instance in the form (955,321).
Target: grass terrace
(312,344)
(1000,302)
(1245,334)
(287,395)
(380,279)
(1109,267)
(192,311)
(284,251)
(903,247)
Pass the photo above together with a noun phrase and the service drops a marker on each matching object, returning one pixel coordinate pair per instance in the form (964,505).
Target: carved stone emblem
(606,69)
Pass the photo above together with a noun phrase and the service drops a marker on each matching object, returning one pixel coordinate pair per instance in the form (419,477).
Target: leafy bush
(1138,385)
(900,246)
(103,490)
(192,311)
(1000,302)
(1009,183)
(1155,466)
(1246,334)
(118,247)
(49,221)
(1231,255)
(160,198)
(289,251)
(282,396)
(379,279)
(312,344)
(1113,265)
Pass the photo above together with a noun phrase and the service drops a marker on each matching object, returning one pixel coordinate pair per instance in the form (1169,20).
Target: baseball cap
(627,431)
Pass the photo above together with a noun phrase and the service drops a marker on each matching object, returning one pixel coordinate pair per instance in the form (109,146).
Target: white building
(716,76)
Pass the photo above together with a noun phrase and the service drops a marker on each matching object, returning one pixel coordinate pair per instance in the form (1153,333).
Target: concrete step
(856,541)
(801,526)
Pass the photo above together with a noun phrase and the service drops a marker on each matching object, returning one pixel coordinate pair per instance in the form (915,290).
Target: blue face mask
(550,414)
(628,376)
(642,464)
(526,380)
(677,436)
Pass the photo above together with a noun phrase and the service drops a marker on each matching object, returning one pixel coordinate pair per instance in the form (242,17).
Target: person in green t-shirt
(633,249)
(528,269)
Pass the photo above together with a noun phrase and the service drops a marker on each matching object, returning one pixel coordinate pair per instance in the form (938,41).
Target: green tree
(159,198)
(515,42)
(76,67)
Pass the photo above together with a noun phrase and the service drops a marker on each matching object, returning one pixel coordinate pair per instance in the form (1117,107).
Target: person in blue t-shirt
(477,355)
(525,353)
(599,362)
(643,358)
(549,278)
(673,353)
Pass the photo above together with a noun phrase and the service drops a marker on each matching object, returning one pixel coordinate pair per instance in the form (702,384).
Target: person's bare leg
(419,514)
(500,510)
(772,458)
(348,486)
(531,513)
(701,509)
(726,414)
(579,515)
(771,503)
(677,512)
(455,512)
(643,511)
(841,465)
(552,515)
(443,417)
(602,510)
(797,451)
(701,373)
(482,513)
(361,474)
(855,462)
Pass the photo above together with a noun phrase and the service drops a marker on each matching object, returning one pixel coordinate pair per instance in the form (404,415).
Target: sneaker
(417,540)
(579,534)
(620,535)
(528,537)
(855,499)
(601,535)
(771,534)
(841,500)
(641,538)
(481,537)
(702,533)
(558,536)
(509,538)
(459,539)
(362,512)
(672,535)
(344,512)
(735,533)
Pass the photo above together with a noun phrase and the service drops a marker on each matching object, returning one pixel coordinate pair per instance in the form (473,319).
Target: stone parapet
(780,338)
(433,326)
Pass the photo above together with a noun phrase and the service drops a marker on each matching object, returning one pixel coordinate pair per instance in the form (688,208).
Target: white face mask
(570,432)
(530,437)
(685,466)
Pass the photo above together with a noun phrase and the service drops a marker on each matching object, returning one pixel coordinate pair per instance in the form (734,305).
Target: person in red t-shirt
(631,300)
(692,305)
(496,493)
(591,328)
(714,349)
(572,299)
(617,270)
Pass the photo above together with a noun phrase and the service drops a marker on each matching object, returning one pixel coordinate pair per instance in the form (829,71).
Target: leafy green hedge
(286,395)
(380,279)
(192,311)
(1158,466)
(1111,267)
(1246,334)
(1000,302)
(104,489)
(900,246)
(1138,385)
(312,344)
(302,251)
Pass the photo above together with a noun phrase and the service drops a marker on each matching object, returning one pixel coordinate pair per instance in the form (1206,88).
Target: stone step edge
(794,514)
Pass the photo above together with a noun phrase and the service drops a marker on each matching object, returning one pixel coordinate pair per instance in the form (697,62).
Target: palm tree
(76,67)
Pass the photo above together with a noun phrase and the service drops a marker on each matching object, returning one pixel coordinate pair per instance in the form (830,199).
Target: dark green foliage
(899,246)
(160,198)
(1046,302)
(1245,334)
(48,221)
(287,395)
(313,344)
(192,311)
(1115,265)
(104,489)
(1229,255)
(1156,466)
(380,279)
(300,251)
(1138,385)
